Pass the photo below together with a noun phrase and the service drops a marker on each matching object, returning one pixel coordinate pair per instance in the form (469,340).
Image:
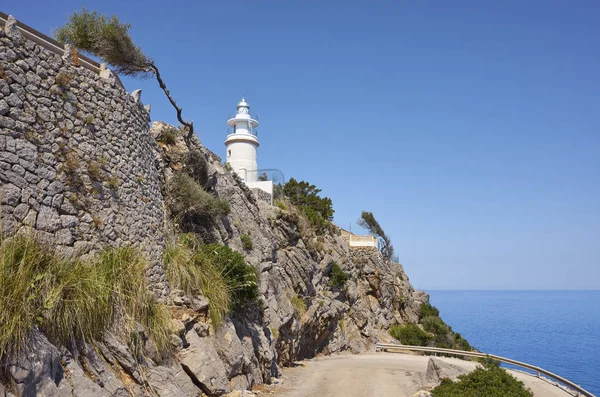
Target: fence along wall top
(54,46)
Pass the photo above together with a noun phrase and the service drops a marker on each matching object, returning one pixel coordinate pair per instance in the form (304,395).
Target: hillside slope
(81,169)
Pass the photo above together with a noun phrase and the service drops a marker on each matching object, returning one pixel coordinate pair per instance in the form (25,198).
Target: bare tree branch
(161,83)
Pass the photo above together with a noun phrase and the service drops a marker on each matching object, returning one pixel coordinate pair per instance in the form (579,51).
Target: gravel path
(376,374)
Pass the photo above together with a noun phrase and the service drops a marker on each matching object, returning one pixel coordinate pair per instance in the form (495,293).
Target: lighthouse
(241,144)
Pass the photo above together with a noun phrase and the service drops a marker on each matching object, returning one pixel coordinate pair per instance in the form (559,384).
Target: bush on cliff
(215,271)
(410,334)
(70,299)
(427,309)
(337,276)
(317,210)
(190,203)
(442,334)
(489,380)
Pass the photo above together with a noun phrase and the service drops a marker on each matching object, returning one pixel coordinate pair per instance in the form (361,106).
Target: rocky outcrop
(438,370)
(80,167)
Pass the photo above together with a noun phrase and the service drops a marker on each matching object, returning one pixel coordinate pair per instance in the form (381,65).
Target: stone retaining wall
(77,165)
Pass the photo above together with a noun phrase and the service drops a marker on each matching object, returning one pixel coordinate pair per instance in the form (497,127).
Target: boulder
(438,370)
(202,363)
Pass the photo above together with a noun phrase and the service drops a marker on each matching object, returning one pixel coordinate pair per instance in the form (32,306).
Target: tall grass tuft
(187,199)
(215,271)
(187,269)
(70,299)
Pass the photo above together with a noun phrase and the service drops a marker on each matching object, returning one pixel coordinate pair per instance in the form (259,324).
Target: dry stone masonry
(76,158)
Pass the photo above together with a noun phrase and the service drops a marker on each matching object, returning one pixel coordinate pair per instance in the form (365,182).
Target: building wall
(76,158)
(263,190)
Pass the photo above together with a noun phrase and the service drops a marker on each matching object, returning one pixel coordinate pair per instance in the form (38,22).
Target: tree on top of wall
(368,221)
(109,39)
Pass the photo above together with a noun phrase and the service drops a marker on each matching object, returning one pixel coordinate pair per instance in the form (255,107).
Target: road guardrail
(580,390)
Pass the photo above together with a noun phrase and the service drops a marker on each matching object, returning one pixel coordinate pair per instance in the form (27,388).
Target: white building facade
(242,144)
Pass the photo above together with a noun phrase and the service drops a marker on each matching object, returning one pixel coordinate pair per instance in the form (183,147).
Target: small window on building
(229,153)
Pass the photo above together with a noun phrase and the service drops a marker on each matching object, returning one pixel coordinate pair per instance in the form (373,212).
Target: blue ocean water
(555,330)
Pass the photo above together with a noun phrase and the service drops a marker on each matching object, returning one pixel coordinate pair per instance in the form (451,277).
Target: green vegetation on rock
(488,380)
(70,299)
(337,276)
(246,242)
(427,309)
(410,334)
(318,210)
(190,203)
(215,271)
(432,331)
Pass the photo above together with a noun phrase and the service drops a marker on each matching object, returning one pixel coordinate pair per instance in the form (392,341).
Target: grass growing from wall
(70,299)
(215,271)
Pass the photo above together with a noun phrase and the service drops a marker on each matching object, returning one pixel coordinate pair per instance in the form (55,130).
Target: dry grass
(298,303)
(70,299)
(187,270)
(188,199)
(221,275)
(63,80)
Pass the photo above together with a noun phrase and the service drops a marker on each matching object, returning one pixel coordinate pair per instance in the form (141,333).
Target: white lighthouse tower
(241,145)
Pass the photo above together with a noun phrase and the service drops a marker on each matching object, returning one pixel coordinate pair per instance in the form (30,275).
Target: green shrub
(488,381)
(168,136)
(410,334)
(69,299)
(246,242)
(187,269)
(434,325)
(337,276)
(316,221)
(188,200)
(303,194)
(443,336)
(428,310)
(241,277)
(215,271)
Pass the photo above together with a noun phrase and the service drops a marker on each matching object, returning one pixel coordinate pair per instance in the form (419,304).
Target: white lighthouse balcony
(242,137)
(245,117)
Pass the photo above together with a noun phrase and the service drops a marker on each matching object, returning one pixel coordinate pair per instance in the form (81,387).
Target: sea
(555,330)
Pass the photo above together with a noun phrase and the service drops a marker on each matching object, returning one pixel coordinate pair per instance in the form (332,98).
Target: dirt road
(377,375)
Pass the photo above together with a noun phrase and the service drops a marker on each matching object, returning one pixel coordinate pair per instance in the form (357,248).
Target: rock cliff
(80,166)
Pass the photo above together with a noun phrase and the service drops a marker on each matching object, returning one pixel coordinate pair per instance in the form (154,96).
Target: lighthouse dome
(243,103)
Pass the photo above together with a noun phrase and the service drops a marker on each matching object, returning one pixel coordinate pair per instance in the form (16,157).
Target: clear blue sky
(470,128)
